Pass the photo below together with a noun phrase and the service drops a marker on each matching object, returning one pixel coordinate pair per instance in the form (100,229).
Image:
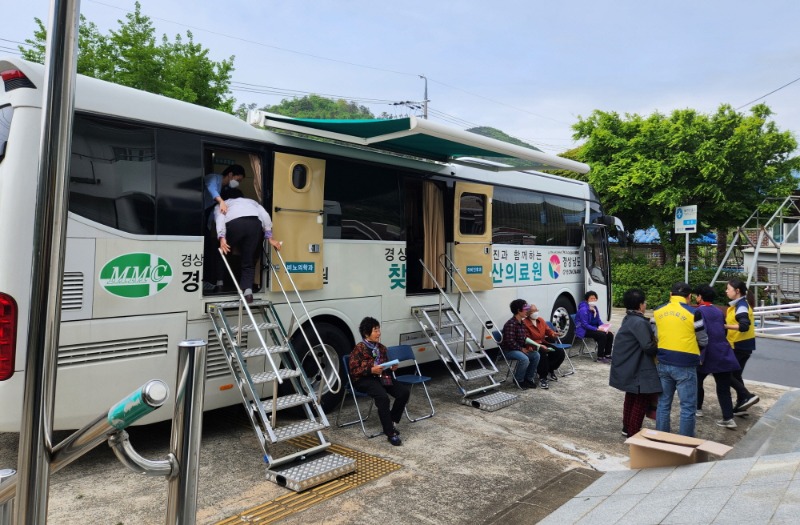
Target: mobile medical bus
(365,211)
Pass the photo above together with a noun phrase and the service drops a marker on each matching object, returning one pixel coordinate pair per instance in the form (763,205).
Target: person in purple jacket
(588,324)
(716,357)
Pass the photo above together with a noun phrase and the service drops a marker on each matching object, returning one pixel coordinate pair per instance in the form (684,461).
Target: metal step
(491,402)
(228,305)
(285,373)
(432,308)
(478,373)
(291,400)
(260,350)
(316,470)
(251,328)
(298,429)
(471,356)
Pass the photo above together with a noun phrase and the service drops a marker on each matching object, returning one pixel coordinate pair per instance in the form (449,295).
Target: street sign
(686,219)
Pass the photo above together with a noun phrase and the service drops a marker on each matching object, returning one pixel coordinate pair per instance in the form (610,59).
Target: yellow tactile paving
(368,468)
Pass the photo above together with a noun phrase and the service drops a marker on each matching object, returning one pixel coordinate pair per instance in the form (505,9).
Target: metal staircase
(297,468)
(464,353)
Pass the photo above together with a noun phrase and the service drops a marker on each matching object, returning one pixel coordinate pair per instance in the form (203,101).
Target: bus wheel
(335,346)
(560,317)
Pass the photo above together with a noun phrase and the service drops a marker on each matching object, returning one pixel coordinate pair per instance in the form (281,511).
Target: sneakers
(528,384)
(727,423)
(395,440)
(624,431)
(698,412)
(248,296)
(543,384)
(747,403)
(552,376)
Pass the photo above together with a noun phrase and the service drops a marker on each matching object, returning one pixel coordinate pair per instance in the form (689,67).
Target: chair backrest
(553,328)
(401,353)
(346,370)
(573,318)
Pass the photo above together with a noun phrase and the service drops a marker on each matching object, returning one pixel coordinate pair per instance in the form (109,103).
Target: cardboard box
(651,448)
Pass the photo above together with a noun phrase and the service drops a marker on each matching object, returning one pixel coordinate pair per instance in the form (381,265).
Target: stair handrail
(444,260)
(443,295)
(333,366)
(243,304)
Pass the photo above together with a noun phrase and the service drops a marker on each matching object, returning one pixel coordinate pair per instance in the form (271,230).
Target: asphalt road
(775,361)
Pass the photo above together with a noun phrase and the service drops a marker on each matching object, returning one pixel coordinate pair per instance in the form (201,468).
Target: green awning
(416,137)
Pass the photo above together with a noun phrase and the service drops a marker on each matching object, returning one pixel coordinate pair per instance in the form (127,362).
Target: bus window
(6,112)
(111,174)
(179,206)
(473,214)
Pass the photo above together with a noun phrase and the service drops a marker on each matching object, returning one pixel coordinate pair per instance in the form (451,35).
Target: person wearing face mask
(589,324)
(515,348)
(244,226)
(740,324)
(214,184)
(550,357)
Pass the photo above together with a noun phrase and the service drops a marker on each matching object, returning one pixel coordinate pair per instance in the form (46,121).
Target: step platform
(305,473)
(491,402)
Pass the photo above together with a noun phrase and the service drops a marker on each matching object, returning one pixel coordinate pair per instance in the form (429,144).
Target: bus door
(597,268)
(472,234)
(297,210)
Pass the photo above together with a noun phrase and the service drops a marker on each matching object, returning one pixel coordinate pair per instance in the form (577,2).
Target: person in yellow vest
(742,336)
(680,332)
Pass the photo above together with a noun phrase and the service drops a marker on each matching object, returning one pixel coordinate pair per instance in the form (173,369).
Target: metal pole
(187,427)
(425,100)
(7,508)
(49,236)
(686,262)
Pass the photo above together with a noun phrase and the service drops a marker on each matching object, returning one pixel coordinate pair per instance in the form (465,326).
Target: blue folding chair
(405,353)
(563,346)
(584,346)
(349,390)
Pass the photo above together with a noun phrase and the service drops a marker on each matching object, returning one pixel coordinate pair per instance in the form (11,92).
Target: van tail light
(15,79)
(8,335)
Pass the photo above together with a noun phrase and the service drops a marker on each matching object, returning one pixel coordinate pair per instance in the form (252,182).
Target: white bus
(354,219)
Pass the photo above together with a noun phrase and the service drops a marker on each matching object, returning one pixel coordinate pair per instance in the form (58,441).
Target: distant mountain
(494,133)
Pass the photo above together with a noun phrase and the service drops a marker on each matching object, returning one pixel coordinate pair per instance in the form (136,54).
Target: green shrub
(656,281)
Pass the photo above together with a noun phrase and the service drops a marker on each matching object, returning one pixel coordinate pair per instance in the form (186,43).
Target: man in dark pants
(377,381)
(244,226)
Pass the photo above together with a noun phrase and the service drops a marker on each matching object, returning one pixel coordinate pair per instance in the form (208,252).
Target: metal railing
(773,320)
(337,381)
(181,467)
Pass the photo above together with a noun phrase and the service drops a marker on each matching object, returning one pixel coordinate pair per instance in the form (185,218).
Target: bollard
(187,427)
(7,508)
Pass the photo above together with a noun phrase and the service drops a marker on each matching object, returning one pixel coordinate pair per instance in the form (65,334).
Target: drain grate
(368,468)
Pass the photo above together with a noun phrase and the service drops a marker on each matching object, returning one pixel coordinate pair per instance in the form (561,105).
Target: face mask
(593,303)
(535,315)
(233,184)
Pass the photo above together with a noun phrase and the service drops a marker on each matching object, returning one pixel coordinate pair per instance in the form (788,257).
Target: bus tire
(336,344)
(560,317)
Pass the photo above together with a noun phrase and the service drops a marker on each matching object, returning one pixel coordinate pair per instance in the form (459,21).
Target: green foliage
(656,282)
(726,163)
(315,106)
(130,56)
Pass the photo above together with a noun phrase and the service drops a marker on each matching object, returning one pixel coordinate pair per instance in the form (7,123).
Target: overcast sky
(528,67)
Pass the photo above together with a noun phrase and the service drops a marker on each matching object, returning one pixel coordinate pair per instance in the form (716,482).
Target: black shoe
(552,376)
(747,403)
(543,384)
(396,431)
(522,384)
(529,384)
(395,440)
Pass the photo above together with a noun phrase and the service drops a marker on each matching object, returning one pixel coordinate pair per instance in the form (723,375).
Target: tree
(315,106)
(726,163)
(131,56)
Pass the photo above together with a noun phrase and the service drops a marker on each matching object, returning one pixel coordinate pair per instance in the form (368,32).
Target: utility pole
(425,100)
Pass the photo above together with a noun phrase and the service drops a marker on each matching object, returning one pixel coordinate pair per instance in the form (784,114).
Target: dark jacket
(585,319)
(718,355)
(633,367)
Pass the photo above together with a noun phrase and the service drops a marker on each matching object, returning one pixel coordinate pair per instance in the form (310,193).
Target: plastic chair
(404,353)
(584,346)
(563,346)
(349,390)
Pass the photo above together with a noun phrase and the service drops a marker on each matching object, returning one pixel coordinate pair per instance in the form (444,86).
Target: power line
(768,94)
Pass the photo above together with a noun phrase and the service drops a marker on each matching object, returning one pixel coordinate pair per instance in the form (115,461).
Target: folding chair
(404,353)
(584,346)
(350,390)
(563,346)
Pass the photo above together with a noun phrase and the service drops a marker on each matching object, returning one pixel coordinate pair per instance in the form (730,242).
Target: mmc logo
(554,267)
(135,275)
